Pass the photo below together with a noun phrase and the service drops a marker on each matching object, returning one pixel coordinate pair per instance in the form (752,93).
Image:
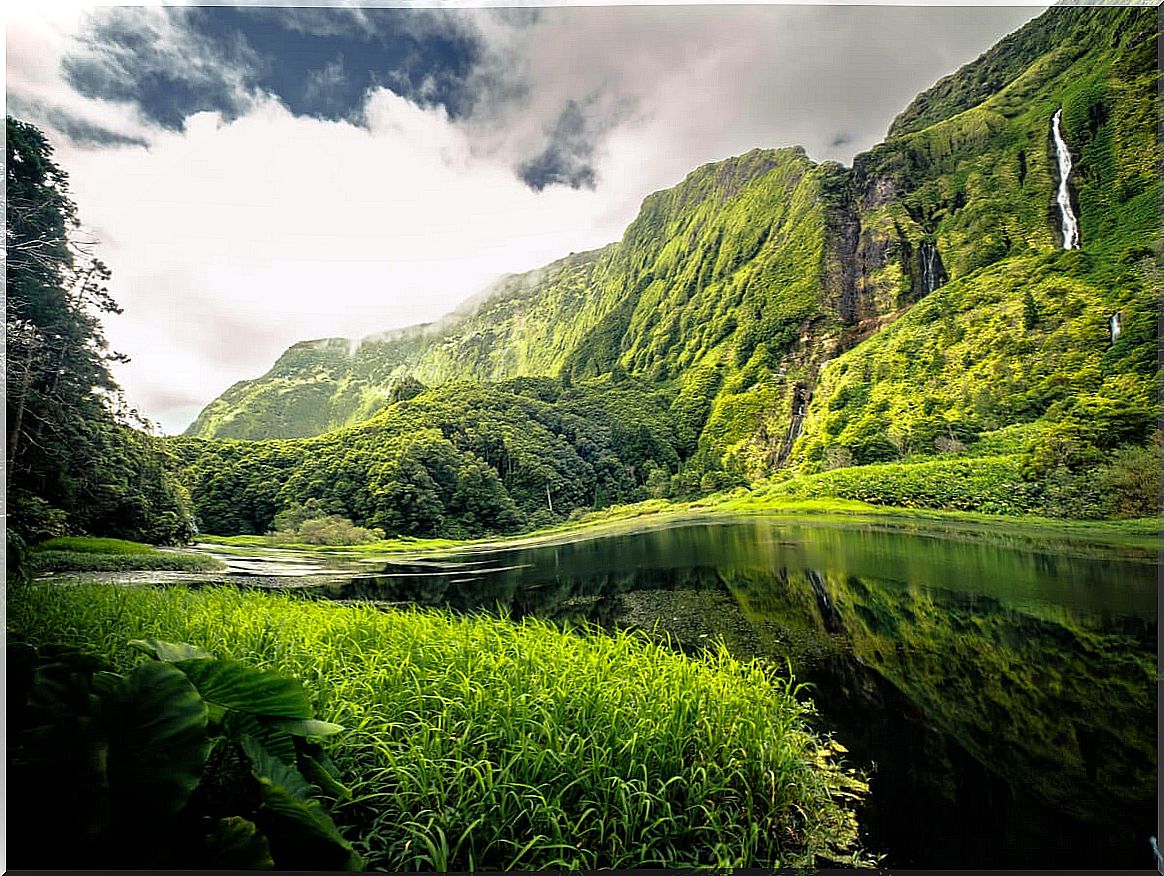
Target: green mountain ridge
(807,316)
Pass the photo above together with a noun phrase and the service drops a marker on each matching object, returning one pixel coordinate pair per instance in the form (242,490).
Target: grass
(87,554)
(480,743)
(84,544)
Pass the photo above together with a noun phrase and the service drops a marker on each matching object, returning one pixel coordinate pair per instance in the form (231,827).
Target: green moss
(90,545)
(43,562)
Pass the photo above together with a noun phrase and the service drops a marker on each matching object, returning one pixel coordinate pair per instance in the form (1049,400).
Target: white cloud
(232,240)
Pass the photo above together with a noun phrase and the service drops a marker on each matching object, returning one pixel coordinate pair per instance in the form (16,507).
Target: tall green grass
(481,743)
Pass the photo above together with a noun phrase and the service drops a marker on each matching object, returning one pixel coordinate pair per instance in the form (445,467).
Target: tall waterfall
(932,270)
(1069,224)
(1115,323)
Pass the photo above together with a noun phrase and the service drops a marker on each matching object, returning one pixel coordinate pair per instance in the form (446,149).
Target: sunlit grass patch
(87,554)
(84,544)
(480,743)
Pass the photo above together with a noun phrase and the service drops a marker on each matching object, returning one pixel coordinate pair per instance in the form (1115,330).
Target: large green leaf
(324,776)
(236,844)
(170,652)
(157,743)
(309,727)
(241,687)
(276,741)
(270,770)
(297,825)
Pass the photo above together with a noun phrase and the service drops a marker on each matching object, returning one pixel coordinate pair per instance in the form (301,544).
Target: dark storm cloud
(424,55)
(568,156)
(168,71)
(318,62)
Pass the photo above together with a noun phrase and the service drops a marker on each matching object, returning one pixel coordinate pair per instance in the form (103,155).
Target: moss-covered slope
(1019,338)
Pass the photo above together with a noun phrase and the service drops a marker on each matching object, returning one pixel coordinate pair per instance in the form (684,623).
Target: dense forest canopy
(77,459)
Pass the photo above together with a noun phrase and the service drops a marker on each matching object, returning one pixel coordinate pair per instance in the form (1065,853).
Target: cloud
(154,59)
(568,158)
(80,131)
(273,228)
(323,87)
(706,82)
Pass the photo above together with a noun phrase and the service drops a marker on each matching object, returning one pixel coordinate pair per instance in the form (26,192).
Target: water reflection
(1003,697)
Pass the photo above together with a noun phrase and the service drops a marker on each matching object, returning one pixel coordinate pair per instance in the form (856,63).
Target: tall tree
(74,461)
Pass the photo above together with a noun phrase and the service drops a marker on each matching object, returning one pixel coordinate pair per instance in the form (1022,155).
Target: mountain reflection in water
(1001,696)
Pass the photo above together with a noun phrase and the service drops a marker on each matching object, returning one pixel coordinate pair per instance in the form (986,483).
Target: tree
(1031,314)
(74,459)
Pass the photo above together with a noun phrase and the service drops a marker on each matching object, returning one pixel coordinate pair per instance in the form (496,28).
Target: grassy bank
(87,554)
(1143,533)
(478,743)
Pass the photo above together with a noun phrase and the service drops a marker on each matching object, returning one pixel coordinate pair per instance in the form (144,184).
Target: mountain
(916,307)
(523,324)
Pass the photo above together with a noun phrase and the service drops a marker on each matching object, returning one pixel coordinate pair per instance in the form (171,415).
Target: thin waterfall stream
(1070,225)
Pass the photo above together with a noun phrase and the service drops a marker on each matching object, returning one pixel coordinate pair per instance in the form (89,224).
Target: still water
(1000,693)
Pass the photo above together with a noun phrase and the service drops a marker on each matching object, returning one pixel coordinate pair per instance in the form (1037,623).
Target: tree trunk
(14,428)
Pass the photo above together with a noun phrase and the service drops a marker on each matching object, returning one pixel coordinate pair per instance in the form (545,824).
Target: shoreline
(1137,534)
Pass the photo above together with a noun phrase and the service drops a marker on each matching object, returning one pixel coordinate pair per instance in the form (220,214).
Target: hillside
(804,318)
(522,324)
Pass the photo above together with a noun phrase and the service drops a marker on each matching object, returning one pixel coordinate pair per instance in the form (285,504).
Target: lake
(999,689)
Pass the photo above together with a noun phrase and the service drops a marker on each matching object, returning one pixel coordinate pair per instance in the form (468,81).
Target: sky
(259,175)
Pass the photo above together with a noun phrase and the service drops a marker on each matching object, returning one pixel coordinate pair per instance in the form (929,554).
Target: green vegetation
(87,554)
(992,485)
(75,462)
(902,342)
(457,461)
(307,524)
(1056,534)
(478,743)
(90,545)
(42,562)
(189,761)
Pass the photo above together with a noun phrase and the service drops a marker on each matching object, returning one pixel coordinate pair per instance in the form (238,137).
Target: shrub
(184,761)
(330,530)
(1130,483)
(994,485)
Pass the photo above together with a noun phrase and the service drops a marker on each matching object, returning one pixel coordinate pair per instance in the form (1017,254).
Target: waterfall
(800,399)
(933,272)
(1116,325)
(1069,223)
